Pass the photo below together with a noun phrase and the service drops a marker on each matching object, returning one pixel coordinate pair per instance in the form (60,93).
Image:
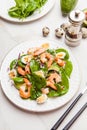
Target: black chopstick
(57,124)
(75,117)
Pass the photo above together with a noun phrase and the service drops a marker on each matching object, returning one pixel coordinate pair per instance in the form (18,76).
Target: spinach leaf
(34,65)
(53,93)
(25,8)
(38,81)
(18,80)
(65,82)
(51,51)
(44,69)
(68,68)
(19,3)
(21,64)
(34,93)
(13,64)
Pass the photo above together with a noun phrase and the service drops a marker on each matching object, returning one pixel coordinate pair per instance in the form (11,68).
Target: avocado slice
(54,67)
(85,21)
(85,10)
(17,86)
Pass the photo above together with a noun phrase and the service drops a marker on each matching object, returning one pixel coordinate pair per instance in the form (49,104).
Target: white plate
(13,94)
(6,4)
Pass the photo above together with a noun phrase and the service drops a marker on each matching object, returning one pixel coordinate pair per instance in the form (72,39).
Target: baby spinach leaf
(68,68)
(65,81)
(38,81)
(18,80)
(44,69)
(34,93)
(25,8)
(34,65)
(29,77)
(53,93)
(51,51)
(21,64)
(13,64)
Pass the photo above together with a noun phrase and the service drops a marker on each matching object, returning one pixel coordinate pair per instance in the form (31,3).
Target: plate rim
(26,109)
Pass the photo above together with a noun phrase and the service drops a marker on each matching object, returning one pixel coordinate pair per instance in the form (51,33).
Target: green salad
(41,73)
(25,8)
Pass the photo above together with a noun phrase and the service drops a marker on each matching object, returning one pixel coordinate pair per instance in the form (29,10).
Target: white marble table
(13,118)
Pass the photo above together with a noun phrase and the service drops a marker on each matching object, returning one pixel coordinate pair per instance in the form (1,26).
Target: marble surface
(13,118)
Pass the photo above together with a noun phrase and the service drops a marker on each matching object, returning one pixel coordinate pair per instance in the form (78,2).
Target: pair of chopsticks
(75,117)
(57,124)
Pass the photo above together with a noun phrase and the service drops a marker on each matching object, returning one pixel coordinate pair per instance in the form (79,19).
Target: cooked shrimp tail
(24,91)
(20,71)
(51,85)
(47,57)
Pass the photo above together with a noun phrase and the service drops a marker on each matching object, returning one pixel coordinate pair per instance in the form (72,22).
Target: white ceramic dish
(6,4)
(52,103)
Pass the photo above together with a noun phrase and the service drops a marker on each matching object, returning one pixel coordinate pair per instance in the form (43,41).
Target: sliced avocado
(39,73)
(85,21)
(54,67)
(17,85)
(85,10)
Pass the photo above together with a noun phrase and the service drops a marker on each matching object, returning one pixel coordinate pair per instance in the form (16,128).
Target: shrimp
(27,69)
(50,84)
(39,51)
(24,91)
(60,62)
(54,77)
(21,71)
(46,57)
(27,82)
(32,50)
